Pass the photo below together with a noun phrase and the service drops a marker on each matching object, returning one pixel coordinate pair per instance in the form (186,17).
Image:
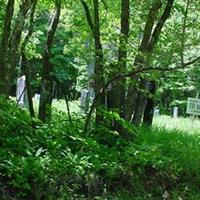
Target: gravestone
(156,112)
(90,72)
(85,100)
(37,97)
(21,95)
(175,112)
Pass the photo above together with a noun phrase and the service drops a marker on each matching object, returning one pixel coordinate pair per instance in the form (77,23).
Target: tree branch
(88,16)
(31,25)
(118,77)
(160,24)
(149,24)
(183,31)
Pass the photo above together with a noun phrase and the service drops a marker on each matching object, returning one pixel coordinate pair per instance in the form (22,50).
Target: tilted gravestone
(21,94)
(85,100)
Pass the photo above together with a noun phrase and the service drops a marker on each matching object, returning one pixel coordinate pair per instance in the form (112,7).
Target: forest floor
(58,161)
(190,124)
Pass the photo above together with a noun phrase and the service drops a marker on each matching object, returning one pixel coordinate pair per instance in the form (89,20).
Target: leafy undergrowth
(56,161)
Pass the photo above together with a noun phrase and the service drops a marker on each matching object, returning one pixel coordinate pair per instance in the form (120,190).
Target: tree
(47,80)
(118,89)
(11,42)
(150,37)
(4,51)
(25,62)
(99,67)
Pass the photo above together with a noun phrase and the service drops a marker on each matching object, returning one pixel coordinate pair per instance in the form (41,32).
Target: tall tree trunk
(146,48)
(133,96)
(25,62)
(99,66)
(118,89)
(10,43)
(99,78)
(47,80)
(4,51)
(117,92)
(25,6)
(149,109)
(140,101)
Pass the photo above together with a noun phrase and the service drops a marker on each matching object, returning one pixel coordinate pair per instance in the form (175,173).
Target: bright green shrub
(56,160)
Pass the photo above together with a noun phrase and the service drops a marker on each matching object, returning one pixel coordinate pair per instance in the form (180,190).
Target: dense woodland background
(132,57)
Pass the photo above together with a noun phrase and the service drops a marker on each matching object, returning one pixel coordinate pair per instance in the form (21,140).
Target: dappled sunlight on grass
(189,124)
(60,105)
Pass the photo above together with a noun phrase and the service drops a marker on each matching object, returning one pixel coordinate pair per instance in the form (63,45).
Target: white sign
(193,106)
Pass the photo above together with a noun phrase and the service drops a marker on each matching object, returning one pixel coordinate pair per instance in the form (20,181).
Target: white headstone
(175,112)
(37,97)
(85,99)
(156,112)
(193,106)
(21,90)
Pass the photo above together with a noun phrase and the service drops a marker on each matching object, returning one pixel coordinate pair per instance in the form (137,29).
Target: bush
(56,161)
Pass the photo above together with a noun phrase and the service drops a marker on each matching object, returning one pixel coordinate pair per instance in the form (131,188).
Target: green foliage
(56,161)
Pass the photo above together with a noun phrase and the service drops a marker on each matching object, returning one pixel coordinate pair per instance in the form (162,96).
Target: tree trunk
(118,89)
(141,100)
(99,66)
(146,48)
(117,97)
(10,43)
(27,73)
(47,80)
(25,62)
(99,78)
(25,6)
(149,109)
(4,90)
(130,102)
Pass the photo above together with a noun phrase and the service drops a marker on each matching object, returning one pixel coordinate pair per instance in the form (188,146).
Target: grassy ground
(60,105)
(187,125)
(57,161)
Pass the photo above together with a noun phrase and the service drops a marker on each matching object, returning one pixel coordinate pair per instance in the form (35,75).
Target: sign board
(193,106)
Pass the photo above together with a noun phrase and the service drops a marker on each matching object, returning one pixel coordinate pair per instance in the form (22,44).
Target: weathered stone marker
(37,97)
(175,112)
(21,95)
(156,112)
(85,100)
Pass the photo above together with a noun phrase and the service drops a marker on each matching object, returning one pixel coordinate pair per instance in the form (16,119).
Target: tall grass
(187,125)
(56,158)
